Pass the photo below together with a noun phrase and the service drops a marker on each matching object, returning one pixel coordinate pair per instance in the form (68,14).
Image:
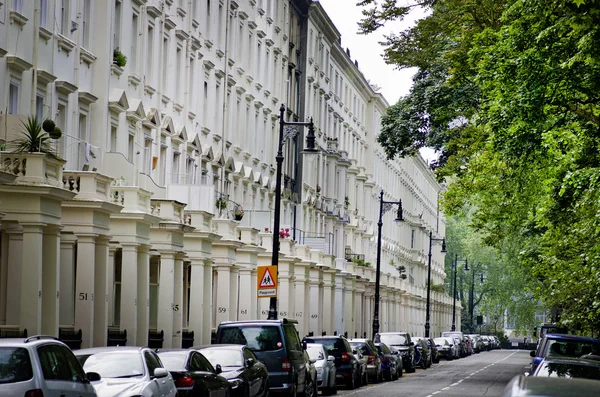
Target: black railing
(70,337)
(13,333)
(322,241)
(187,339)
(156,339)
(228,207)
(116,337)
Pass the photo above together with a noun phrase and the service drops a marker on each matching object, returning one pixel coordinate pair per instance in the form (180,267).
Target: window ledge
(65,44)
(116,70)
(148,89)
(45,34)
(177,107)
(87,56)
(195,24)
(134,79)
(18,18)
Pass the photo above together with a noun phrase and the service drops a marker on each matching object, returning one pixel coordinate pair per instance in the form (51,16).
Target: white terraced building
(136,227)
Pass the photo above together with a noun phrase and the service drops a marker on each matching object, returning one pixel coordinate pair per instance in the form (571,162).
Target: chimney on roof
(356,63)
(348,51)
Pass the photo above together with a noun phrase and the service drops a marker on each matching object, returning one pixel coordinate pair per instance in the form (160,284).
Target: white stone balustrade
(33,168)
(88,185)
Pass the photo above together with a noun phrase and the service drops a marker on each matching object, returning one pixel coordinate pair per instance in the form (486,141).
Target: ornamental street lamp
(471,293)
(384,206)
(456,260)
(431,240)
(287,130)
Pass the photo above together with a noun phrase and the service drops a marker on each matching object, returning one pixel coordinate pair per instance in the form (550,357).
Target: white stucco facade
(137,225)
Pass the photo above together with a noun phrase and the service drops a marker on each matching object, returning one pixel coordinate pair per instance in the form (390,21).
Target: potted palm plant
(35,139)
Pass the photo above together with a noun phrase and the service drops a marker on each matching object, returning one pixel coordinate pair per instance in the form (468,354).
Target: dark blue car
(561,346)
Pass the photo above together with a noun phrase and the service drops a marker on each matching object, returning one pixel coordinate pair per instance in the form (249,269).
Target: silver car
(325,365)
(42,366)
(127,371)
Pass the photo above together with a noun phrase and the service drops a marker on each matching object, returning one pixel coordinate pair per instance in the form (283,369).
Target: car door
(62,372)
(156,386)
(294,350)
(252,374)
(205,373)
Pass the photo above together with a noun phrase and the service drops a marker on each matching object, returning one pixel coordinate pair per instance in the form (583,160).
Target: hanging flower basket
(238,215)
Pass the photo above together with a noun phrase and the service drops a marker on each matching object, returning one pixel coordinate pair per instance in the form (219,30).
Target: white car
(325,365)
(127,371)
(42,366)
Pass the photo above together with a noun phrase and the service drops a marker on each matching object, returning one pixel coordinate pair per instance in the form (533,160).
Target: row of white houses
(159,207)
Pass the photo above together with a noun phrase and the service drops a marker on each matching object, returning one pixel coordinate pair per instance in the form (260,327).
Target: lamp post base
(272,309)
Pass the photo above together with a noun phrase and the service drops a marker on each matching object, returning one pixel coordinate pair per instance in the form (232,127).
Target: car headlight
(235,383)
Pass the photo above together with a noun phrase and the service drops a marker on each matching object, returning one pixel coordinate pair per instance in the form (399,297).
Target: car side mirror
(218,369)
(330,358)
(93,376)
(249,362)
(532,353)
(160,373)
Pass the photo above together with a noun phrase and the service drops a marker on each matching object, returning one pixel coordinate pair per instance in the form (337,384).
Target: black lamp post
(427,315)
(471,293)
(292,130)
(384,206)
(456,260)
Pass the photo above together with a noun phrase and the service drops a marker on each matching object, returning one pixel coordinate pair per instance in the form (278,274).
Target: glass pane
(258,338)
(224,357)
(152,362)
(291,338)
(173,361)
(113,364)
(15,365)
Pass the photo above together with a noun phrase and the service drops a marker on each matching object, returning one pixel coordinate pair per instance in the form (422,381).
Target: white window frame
(13,99)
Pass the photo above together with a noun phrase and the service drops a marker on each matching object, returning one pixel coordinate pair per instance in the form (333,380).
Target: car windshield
(315,352)
(333,346)
(440,341)
(569,370)
(570,348)
(362,346)
(257,337)
(224,357)
(15,365)
(173,360)
(113,364)
(393,339)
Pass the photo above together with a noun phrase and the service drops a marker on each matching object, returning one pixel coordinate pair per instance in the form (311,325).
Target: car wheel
(400,372)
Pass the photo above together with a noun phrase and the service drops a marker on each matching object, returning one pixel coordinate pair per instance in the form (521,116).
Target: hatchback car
(368,348)
(569,368)
(348,366)
(42,366)
(240,366)
(562,346)
(125,370)
(325,366)
(277,345)
(403,343)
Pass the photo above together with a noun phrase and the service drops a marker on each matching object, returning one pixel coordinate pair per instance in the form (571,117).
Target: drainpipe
(225,104)
(36,34)
(188,71)
(159,86)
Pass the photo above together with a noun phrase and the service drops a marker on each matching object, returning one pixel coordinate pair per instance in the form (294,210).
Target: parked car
(569,368)
(401,341)
(425,352)
(435,354)
(390,361)
(468,346)
(310,389)
(127,370)
(487,345)
(560,345)
(325,365)
(529,386)
(348,366)
(446,348)
(194,375)
(239,365)
(363,363)
(42,366)
(461,344)
(477,342)
(276,344)
(367,348)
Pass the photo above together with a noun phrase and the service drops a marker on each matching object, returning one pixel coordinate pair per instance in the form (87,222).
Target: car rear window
(15,365)
(362,346)
(333,346)
(395,339)
(256,337)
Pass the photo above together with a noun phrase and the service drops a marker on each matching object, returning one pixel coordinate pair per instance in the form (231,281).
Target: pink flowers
(283,233)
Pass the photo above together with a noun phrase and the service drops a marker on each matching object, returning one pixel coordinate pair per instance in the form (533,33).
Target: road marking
(445,388)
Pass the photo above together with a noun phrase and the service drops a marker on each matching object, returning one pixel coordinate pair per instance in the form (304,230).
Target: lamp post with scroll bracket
(287,130)
(471,293)
(384,206)
(456,260)
(428,307)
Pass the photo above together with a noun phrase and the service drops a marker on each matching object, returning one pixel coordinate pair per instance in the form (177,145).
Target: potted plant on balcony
(118,58)
(35,139)
(238,214)
(221,203)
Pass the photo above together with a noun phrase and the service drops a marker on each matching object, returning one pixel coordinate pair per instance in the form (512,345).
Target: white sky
(368,52)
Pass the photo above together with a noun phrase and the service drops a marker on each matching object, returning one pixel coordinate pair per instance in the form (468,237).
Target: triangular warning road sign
(267,280)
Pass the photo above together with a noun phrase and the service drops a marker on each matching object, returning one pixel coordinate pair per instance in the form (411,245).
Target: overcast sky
(368,52)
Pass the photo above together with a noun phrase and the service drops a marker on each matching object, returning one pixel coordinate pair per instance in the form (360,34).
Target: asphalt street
(483,374)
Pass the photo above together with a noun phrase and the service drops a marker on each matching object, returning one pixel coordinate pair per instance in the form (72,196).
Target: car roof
(259,322)
(109,349)
(572,360)
(532,386)
(223,346)
(571,338)
(31,341)
(324,337)
(358,340)
(392,333)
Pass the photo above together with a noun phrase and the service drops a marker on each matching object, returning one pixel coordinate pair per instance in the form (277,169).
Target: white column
(3,276)
(31,280)
(223,304)
(301,311)
(166,295)
(84,288)
(328,300)
(111,283)
(50,281)
(234,294)
(209,306)
(338,312)
(129,277)
(177,302)
(101,288)
(13,287)
(246,291)
(315,306)
(349,307)
(67,279)
(197,299)
(143,294)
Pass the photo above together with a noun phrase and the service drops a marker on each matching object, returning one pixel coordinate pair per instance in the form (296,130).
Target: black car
(277,345)
(368,348)
(248,376)
(391,360)
(403,343)
(193,374)
(346,364)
